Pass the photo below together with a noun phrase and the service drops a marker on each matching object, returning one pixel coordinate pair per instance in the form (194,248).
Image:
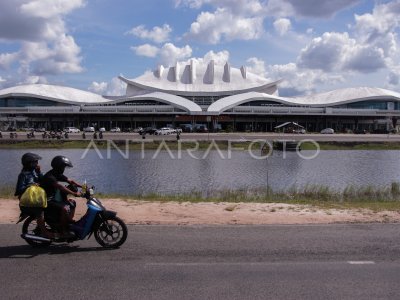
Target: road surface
(237,136)
(210,262)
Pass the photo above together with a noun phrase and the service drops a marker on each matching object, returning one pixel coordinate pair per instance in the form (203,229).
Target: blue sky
(314,45)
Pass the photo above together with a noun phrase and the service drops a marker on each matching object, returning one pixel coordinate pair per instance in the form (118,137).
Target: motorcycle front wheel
(111,233)
(31,227)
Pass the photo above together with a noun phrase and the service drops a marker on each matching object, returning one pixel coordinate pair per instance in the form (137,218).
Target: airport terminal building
(219,96)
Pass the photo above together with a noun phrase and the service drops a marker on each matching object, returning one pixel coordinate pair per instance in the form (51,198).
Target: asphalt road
(238,136)
(210,262)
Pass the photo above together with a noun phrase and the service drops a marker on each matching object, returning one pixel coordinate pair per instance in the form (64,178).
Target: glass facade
(371,104)
(142,102)
(203,100)
(262,103)
(26,101)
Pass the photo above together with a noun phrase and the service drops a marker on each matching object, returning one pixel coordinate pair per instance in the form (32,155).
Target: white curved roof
(335,97)
(78,97)
(176,101)
(232,101)
(346,95)
(196,78)
(53,92)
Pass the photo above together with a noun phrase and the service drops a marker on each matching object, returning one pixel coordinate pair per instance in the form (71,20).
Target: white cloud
(223,25)
(115,87)
(170,54)
(33,80)
(98,87)
(219,58)
(256,66)
(6,59)
(364,59)
(297,81)
(383,20)
(282,26)
(39,28)
(146,50)
(62,56)
(378,32)
(307,8)
(325,52)
(49,8)
(157,34)
(338,52)
(238,7)
(167,55)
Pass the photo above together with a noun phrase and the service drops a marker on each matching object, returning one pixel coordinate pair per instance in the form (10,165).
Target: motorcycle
(108,230)
(30,135)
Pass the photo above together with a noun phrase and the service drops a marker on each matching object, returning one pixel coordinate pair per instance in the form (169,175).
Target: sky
(313,45)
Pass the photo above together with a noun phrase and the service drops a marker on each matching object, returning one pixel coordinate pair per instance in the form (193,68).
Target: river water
(137,172)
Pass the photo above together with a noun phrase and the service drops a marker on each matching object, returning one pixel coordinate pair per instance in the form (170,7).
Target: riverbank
(185,213)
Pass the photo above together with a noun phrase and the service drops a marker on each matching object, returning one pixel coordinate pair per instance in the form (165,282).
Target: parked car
(71,130)
(327,131)
(186,127)
(88,129)
(360,131)
(147,130)
(102,129)
(200,128)
(115,129)
(164,131)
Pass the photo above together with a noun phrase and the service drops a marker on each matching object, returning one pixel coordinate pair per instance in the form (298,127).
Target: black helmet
(59,163)
(29,158)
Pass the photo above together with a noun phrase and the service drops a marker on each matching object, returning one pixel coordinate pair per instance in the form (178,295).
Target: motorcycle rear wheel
(30,226)
(111,233)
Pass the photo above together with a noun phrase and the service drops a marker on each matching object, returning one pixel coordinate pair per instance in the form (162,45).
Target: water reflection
(169,175)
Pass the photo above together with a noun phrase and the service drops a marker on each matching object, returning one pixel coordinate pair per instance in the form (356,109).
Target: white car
(88,129)
(102,129)
(164,131)
(72,130)
(115,129)
(327,131)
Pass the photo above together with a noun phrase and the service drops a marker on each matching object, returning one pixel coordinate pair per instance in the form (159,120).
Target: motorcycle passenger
(58,203)
(31,175)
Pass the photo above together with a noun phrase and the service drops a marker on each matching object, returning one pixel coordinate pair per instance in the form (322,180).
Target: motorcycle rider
(31,175)
(58,203)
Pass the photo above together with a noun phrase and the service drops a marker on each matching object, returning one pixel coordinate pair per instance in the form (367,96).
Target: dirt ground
(172,213)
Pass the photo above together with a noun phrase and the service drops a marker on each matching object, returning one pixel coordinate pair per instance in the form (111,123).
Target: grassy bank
(376,199)
(174,145)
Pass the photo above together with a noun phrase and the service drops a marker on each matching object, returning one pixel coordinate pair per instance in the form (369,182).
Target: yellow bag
(34,196)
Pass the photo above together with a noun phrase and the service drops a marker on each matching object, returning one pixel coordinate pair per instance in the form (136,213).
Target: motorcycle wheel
(30,227)
(111,233)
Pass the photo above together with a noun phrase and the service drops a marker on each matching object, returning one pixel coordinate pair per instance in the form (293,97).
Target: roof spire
(176,72)
(159,71)
(243,70)
(210,72)
(227,73)
(192,71)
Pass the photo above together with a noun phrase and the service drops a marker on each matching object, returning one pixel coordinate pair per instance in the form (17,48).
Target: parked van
(71,130)
(88,129)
